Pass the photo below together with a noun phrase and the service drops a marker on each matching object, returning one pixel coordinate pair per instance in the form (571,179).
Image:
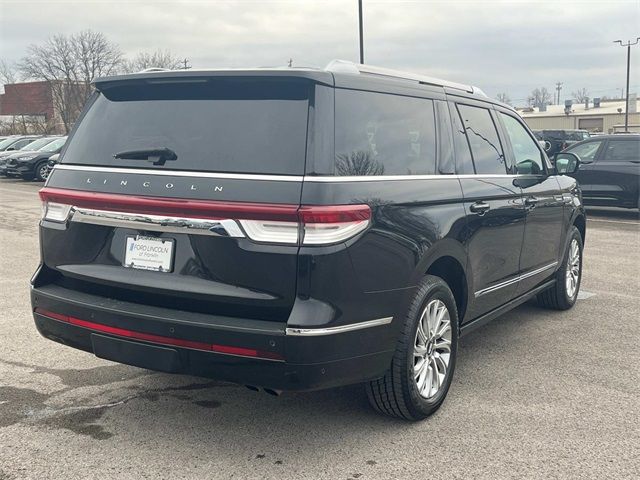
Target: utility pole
(361,31)
(629,44)
(558,88)
(185,62)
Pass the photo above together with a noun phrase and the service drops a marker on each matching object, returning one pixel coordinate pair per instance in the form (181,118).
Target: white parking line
(612,221)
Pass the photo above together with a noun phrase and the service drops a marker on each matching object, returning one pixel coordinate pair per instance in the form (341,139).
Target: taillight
(265,223)
(315,225)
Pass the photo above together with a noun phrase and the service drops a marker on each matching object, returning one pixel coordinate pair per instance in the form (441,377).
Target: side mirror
(566,163)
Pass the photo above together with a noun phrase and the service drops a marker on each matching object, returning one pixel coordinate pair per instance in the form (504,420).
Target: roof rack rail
(154,69)
(345,66)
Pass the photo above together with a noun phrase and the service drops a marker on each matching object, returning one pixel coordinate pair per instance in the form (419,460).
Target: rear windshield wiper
(155,155)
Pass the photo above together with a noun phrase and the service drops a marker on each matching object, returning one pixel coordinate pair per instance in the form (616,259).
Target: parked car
(558,140)
(609,173)
(32,165)
(301,229)
(16,142)
(30,147)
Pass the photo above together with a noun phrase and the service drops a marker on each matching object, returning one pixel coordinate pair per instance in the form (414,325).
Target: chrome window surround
(282,178)
(316,332)
(506,283)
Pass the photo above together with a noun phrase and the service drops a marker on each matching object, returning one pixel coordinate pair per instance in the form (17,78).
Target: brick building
(31,105)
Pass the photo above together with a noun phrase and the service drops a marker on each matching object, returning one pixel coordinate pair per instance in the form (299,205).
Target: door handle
(480,208)
(530,202)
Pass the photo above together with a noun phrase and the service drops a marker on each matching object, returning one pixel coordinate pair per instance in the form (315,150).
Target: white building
(608,117)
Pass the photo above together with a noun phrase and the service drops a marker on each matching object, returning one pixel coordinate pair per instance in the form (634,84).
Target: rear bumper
(155,338)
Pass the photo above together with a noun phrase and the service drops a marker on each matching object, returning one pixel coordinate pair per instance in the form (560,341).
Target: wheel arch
(447,259)
(580,222)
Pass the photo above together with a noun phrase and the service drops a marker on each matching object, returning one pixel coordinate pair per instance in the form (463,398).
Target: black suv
(299,229)
(609,172)
(557,140)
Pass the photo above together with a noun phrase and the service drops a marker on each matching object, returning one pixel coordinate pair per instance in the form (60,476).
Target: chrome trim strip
(514,280)
(277,178)
(181,173)
(161,223)
(315,332)
(388,178)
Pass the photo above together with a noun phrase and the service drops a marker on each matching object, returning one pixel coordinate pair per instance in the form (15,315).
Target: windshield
(5,143)
(55,145)
(37,144)
(219,124)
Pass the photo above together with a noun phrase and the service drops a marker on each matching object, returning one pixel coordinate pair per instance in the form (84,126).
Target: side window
(622,151)
(486,150)
(383,134)
(586,151)
(527,155)
(464,162)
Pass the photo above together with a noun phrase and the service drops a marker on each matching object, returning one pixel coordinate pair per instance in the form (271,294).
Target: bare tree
(540,97)
(504,98)
(581,95)
(157,59)
(70,64)
(8,73)
(358,162)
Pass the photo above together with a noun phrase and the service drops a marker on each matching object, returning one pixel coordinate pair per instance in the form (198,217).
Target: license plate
(149,253)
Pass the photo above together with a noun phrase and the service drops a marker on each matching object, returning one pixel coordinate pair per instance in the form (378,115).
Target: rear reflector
(159,339)
(265,223)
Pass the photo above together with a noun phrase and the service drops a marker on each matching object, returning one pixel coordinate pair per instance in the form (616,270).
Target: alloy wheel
(432,348)
(572,276)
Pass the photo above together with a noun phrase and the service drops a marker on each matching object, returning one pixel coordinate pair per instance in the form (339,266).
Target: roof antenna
(290,63)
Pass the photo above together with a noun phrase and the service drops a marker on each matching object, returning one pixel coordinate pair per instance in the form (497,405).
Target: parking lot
(536,394)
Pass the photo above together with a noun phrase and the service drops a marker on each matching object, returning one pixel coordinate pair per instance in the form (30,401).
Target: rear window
(383,134)
(234,125)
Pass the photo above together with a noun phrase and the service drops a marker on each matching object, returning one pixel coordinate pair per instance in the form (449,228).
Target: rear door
(213,230)
(493,202)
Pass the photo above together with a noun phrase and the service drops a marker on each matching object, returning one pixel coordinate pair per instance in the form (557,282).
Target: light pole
(361,31)
(629,44)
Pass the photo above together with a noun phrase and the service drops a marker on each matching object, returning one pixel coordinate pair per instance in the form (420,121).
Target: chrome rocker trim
(493,288)
(315,332)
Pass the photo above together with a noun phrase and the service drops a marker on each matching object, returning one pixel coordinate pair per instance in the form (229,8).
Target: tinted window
(464,162)
(381,134)
(527,156)
(586,151)
(483,139)
(222,125)
(622,150)
(22,143)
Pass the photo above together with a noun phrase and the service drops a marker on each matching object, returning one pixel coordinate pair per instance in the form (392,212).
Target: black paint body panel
(242,293)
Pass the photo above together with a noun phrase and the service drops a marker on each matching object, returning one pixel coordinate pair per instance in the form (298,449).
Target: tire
(41,172)
(397,393)
(562,296)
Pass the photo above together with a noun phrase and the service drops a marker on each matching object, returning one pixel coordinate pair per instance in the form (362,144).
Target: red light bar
(147,337)
(213,210)
(334,213)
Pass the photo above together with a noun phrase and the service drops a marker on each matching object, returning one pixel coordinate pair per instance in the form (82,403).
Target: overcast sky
(500,46)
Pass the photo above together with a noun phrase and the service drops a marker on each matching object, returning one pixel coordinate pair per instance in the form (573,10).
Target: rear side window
(237,125)
(483,139)
(622,151)
(383,134)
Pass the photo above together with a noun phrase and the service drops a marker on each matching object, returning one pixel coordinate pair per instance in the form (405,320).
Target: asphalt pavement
(536,394)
